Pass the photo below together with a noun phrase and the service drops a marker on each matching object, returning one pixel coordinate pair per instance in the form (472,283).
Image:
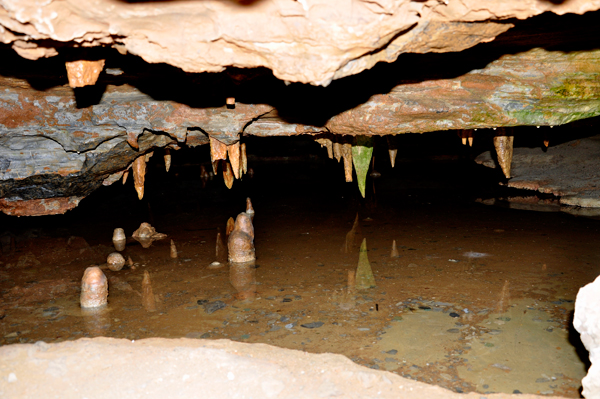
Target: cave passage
(478,298)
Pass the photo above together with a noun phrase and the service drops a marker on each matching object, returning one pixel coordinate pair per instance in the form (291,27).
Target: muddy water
(479,299)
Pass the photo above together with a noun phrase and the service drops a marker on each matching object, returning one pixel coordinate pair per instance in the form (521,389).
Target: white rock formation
(587,322)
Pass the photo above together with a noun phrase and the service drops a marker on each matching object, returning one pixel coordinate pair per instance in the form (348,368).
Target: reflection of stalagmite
(337,151)
(97,321)
(148,300)
(94,288)
(241,240)
(139,175)
(220,249)
(243,279)
(504,298)
(234,158)
(504,149)
(167,159)
(119,239)
(364,274)
(227,174)
(244,158)
(351,236)
(173,252)
(361,157)
(347,154)
(351,281)
(394,253)
(230,226)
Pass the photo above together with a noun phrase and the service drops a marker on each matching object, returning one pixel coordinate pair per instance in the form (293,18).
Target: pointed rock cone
(167,159)
(394,253)
(244,158)
(129,261)
(119,239)
(94,288)
(218,151)
(234,158)
(351,281)
(241,240)
(230,226)
(125,176)
(463,137)
(132,139)
(361,157)
(504,298)
(249,209)
(347,154)
(227,174)
(139,175)
(364,274)
(148,300)
(350,243)
(173,250)
(220,249)
(337,151)
(393,154)
(470,138)
(504,149)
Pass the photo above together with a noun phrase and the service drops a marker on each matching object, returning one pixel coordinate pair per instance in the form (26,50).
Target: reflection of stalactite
(364,274)
(504,298)
(243,279)
(352,237)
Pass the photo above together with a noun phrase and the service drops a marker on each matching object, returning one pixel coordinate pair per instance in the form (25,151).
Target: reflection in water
(504,298)
(364,274)
(97,321)
(243,279)
(352,237)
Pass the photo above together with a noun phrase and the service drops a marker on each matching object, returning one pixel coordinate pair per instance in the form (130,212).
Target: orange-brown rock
(83,72)
(94,288)
(241,240)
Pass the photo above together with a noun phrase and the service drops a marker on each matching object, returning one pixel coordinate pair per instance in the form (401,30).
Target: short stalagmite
(94,288)
(394,253)
(115,261)
(220,249)
(139,175)
(229,227)
(249,208)
(504,149)
(364,274)
(119,239)
(173,253)
(241,240)
(148,300)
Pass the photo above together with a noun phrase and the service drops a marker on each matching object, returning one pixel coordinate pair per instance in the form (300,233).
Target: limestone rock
(587,322)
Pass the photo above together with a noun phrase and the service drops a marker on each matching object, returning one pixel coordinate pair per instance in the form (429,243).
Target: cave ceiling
(87,88)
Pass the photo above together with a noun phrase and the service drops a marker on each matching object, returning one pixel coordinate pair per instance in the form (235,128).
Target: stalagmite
(504,149)
(94,288)
(328,145)
(230,226)
(230,101)
(173,252)
(241,240)
(337,151)
(249,208)
(364,274)
(362,152)
(227,174)
(586,321)
(347,154)
(125,176)
(129,261)
(167,159)
(115,261)
(146,234)
(234,158)
(244,158)
(148,300)
(351,281)
(220,249)
(83,72)
(139,174)
(119,239)
(350,242)
(504,298)
(132,139)
(394,253)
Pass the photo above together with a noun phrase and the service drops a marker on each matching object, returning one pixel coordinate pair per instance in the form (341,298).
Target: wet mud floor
(480,298)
